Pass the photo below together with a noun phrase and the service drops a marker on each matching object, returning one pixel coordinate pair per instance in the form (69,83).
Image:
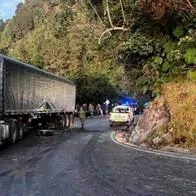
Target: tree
(158,8)
(2,25)
(106,46)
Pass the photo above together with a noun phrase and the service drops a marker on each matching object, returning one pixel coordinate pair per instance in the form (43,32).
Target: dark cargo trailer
(32,97)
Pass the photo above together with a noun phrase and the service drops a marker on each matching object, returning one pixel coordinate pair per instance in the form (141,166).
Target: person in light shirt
(82,116)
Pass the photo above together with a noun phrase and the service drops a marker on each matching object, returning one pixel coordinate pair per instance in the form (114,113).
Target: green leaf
(166,66)
(178,32)
(190,56)
(169,46)
(158,60)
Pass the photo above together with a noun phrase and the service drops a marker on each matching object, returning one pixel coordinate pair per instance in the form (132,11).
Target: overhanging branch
(109,31)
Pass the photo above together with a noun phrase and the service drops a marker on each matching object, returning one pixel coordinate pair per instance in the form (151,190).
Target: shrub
(181,103)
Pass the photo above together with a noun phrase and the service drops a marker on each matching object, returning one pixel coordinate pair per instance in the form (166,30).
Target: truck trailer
(32,98)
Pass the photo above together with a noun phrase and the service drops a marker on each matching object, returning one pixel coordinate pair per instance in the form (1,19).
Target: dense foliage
(106,47)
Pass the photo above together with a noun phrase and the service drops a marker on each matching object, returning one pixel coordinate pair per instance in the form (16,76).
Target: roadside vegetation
(108,47)
(180,100)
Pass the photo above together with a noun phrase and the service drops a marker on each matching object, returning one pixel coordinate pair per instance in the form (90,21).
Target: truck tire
(22,129)
(71,119)
(59,122)
(13,132)
(63,122)
(21,132)
(67,117)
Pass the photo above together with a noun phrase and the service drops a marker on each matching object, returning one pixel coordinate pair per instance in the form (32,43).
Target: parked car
(121,115)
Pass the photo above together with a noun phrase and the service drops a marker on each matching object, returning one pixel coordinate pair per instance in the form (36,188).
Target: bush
(181,103)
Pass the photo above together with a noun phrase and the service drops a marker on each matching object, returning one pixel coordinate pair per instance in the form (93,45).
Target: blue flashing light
(127,101)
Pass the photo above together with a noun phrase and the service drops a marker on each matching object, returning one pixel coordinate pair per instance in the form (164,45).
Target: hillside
(106,47)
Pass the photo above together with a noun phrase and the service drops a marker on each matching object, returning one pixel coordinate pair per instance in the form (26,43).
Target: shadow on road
(32,140)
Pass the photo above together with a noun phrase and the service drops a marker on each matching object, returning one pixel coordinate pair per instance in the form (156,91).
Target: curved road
(88,163)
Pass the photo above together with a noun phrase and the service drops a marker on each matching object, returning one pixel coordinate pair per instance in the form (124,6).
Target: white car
(121,115)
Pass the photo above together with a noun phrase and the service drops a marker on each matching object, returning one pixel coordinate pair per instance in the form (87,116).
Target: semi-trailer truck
(31,97)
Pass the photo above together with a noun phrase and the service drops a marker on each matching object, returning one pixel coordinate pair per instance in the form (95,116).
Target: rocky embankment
(169,123)
(152,131)
(146,130)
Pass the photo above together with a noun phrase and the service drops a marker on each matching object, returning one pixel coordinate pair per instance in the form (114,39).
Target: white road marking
(155,152)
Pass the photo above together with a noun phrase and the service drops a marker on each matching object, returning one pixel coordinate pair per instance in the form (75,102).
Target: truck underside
(13,127)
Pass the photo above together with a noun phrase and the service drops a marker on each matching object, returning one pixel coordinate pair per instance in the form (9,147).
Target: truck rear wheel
(13,132)
(71,120)
(59,122)
(63,121)
(67,120)
(22,130)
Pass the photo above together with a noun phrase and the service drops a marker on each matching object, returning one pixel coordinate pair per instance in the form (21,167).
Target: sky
(7,8)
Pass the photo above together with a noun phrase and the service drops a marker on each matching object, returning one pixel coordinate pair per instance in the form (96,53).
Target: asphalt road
(89,163)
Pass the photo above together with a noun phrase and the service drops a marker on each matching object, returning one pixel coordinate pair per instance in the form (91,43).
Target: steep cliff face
(152,119)
(170,120)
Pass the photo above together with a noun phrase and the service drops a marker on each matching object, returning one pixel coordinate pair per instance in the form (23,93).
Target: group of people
(89,110)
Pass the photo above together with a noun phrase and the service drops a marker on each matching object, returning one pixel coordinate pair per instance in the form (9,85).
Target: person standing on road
(91,109)
(82,116)
(103,107)
(97,109)
(100,109)
(77,110)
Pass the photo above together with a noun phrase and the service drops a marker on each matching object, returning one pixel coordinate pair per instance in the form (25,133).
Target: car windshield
(121,110)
